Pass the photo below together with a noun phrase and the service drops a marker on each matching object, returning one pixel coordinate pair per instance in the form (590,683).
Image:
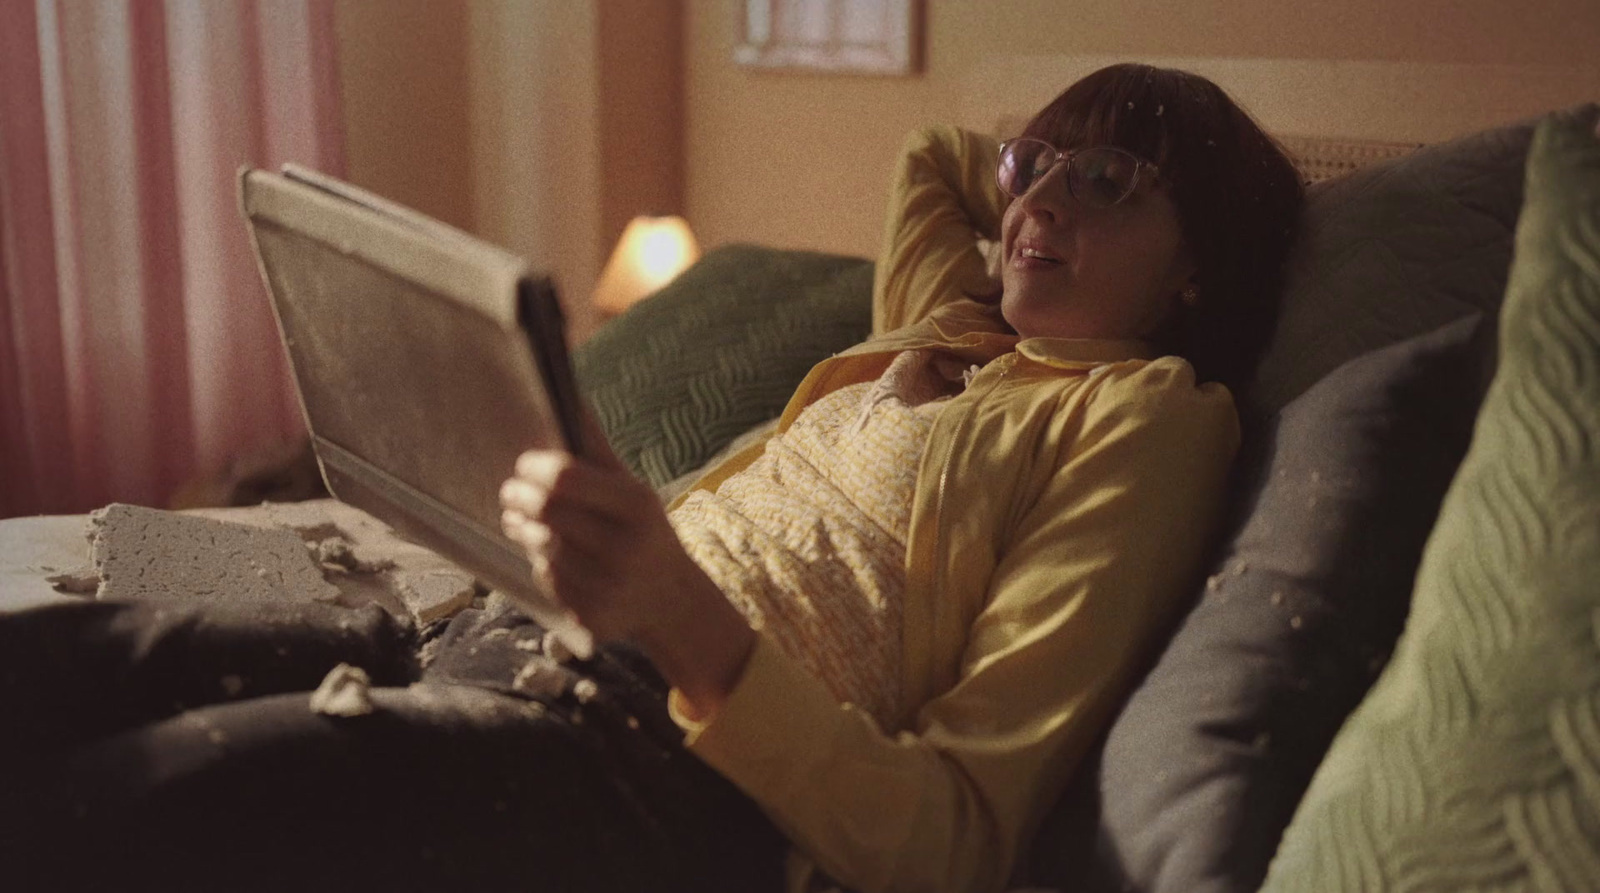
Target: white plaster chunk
(345,691)
(142,553)
(435,593)
(585,690)
(541,677)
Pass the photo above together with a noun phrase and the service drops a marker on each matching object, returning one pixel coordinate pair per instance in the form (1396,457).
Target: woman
(890,631)
(941,638)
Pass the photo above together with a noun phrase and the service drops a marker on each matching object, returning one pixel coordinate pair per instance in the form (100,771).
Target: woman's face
(1071,270)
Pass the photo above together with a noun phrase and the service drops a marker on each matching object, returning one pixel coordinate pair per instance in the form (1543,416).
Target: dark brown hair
(1238,198)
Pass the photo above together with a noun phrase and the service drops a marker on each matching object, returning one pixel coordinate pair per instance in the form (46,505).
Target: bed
(1364,406)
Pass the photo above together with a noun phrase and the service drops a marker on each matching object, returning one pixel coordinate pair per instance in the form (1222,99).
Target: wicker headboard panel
(1320,158)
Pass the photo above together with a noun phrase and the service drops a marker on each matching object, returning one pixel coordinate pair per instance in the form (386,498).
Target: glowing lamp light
(651,253)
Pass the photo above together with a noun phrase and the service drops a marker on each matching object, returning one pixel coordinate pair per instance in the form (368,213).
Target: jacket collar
(1074,352)
(976,332)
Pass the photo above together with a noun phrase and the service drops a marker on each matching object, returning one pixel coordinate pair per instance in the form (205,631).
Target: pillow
(718,351)
(1202,769)
(1392,250)
(1475,761)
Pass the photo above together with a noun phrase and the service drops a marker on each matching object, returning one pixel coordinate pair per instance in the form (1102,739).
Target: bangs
(1151,112)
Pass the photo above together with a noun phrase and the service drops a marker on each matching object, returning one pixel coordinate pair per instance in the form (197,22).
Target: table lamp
(651,253)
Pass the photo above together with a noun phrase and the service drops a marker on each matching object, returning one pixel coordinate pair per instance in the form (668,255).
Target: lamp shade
(651,253)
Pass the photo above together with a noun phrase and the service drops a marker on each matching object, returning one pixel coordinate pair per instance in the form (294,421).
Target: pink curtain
(139,349)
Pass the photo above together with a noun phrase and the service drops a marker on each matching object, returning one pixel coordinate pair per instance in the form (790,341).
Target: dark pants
(172,748)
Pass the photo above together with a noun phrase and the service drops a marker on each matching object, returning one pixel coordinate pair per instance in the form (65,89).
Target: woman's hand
(600,540)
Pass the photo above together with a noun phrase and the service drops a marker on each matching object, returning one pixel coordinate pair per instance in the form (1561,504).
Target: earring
(1189,295)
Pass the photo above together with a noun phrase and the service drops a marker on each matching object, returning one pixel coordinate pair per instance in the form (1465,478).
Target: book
(425,359)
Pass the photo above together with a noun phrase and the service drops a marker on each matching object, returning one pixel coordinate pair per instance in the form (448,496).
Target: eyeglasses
(1100,176)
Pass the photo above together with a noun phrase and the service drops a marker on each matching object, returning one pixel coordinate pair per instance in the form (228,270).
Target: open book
(426,360)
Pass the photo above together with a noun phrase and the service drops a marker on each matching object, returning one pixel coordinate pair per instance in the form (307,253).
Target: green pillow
(1475,761)
(718,351)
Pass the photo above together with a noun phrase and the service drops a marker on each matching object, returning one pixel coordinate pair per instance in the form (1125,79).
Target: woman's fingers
(597,537)
(550,478)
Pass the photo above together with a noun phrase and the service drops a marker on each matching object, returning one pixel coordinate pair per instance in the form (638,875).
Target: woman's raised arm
(942,199)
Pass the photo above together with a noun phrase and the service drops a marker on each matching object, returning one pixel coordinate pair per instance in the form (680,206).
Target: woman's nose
(1048,197)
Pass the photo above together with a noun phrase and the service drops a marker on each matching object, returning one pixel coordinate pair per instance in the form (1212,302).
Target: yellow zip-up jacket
(1062,508)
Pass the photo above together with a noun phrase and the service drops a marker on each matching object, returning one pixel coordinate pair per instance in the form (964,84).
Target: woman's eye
(1106,189)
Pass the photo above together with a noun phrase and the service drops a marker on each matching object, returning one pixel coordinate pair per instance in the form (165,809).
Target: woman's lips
(1033,256)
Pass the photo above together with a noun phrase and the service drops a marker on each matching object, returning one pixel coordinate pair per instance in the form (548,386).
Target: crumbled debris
(338,555)
(343,692)
(556,649)
(231,685)
(1277,597)
(541,677)
(83,581)
(585,690)
(429,652)
(533,645)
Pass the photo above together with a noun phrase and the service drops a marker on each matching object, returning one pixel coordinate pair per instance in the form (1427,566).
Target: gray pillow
(718,351)
(1202,769)
(1394,250)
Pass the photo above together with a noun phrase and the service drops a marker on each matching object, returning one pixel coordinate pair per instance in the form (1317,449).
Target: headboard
(1320,158)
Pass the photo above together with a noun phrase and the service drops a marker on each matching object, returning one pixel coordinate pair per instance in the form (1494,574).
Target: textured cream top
(809,542)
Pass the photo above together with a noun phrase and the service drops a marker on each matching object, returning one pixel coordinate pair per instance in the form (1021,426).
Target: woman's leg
(459,782)
(688,823)
(75,671)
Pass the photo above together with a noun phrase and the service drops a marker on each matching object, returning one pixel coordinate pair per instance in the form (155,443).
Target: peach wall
(541,125)
(801,160)
(403,75)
